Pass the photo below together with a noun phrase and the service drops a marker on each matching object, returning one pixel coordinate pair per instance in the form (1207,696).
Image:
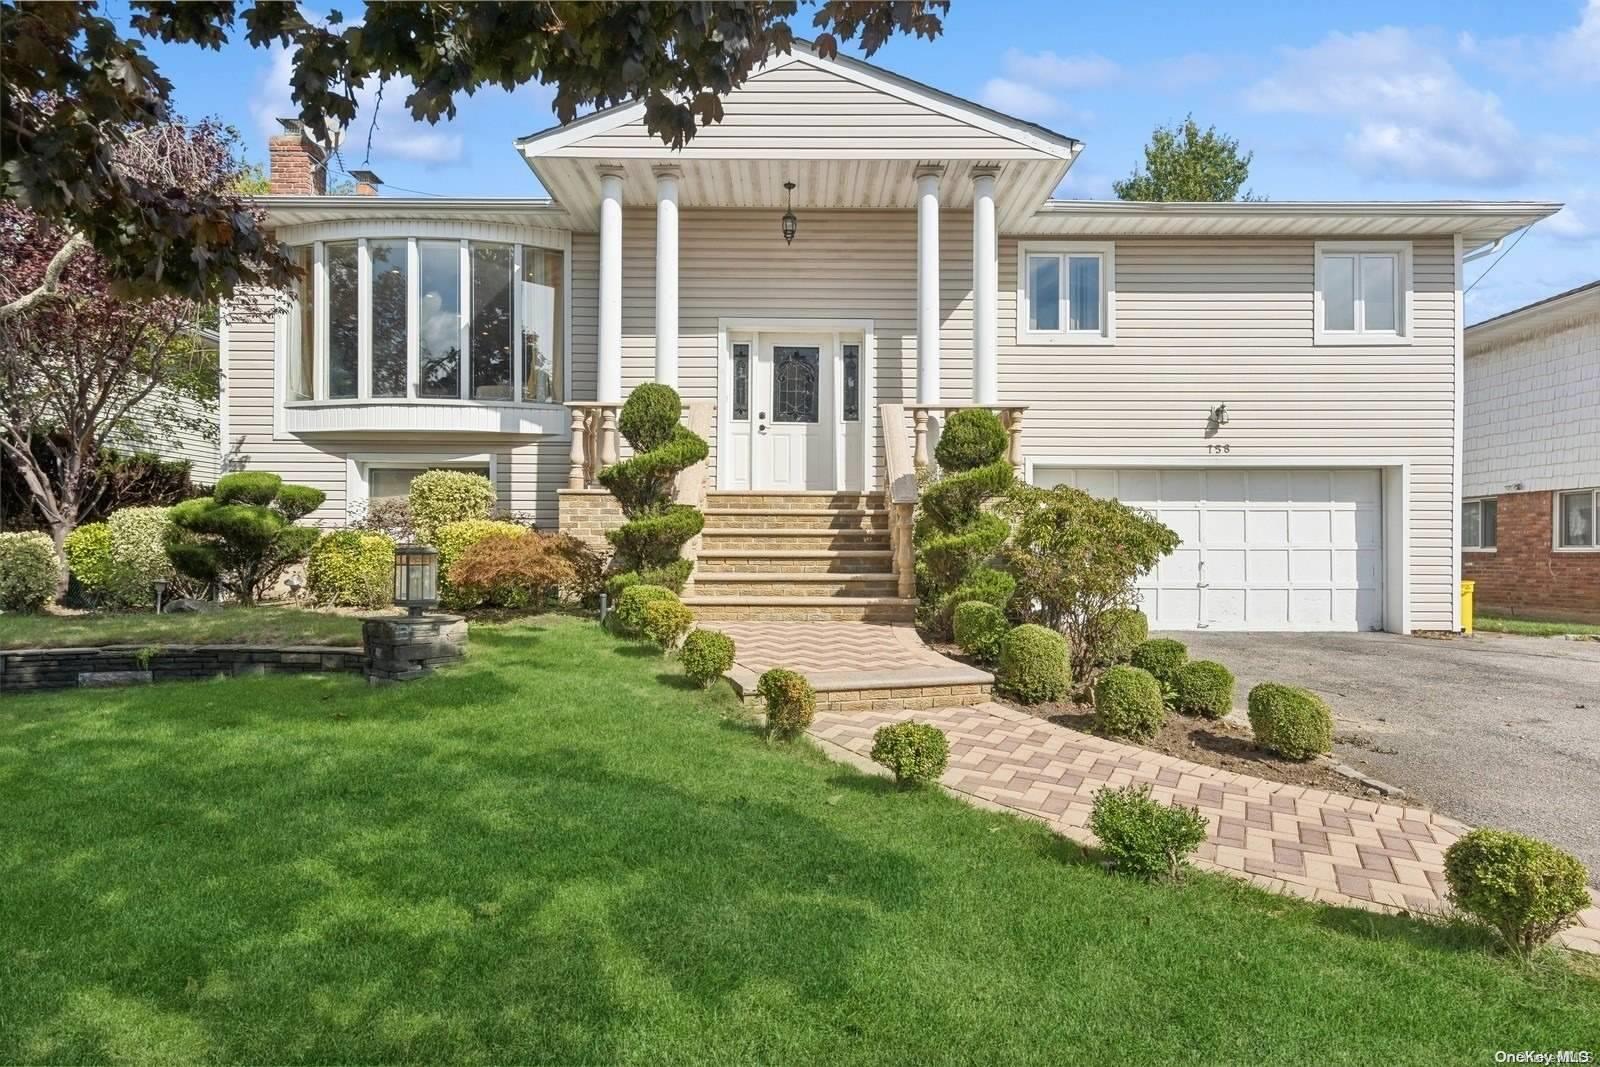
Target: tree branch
(49,287)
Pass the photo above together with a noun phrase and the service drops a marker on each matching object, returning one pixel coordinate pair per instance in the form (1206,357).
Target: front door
(794,418)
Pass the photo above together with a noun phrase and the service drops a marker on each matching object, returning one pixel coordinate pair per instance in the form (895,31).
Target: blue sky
(1355,101)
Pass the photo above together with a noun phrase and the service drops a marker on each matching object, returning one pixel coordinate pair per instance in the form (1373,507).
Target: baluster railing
(594,442)
(901,496)
(925,424)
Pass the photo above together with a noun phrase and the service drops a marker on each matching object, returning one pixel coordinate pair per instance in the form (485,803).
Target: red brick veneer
(1525,575)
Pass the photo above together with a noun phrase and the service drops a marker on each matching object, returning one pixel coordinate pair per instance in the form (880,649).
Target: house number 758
(1218,450)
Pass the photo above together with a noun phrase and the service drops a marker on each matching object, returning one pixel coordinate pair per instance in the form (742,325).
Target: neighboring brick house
(1531,465)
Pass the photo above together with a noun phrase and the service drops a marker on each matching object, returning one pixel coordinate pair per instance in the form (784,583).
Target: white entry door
(1262,549)
(794,419)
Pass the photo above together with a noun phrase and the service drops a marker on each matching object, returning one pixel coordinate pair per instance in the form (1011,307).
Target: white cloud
(1410,113)
(1023,101)
(1060,72)
(1578,221)
(1567,59)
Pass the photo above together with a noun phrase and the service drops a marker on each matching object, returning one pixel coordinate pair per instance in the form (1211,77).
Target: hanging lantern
(416,578)
(790,223)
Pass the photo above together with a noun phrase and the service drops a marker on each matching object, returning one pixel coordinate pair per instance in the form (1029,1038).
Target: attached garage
(1262,548)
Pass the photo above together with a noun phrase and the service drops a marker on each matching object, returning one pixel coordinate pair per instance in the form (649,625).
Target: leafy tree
(74,86)
(244,535)
(1182,163)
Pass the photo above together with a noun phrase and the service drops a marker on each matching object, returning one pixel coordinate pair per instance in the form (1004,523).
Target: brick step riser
(892,699)
(710,613)
(830,502)
(844,588)
(872,521)
(797,540)
(781,565)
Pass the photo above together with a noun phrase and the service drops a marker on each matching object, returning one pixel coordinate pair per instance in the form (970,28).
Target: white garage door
(1272,549)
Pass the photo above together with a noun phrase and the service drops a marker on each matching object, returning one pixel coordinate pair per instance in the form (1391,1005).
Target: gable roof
(1553,312)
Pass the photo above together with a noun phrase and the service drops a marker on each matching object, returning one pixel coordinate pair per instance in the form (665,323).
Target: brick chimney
(366,182)
(297,165)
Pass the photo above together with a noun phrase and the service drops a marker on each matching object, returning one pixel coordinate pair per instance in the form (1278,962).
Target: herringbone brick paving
(1289,839)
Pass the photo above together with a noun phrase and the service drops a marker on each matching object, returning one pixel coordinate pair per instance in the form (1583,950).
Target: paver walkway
(1289,839)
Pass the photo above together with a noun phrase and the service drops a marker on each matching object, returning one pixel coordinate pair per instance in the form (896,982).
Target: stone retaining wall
(22,670)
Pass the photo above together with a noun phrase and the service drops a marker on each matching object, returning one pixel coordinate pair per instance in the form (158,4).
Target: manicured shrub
(1033,664)
(29,571)
(587,568)
(979,628)
(671,576)
(452,540)
(791,702)
(351,569)
(503,569)
(1118,632)
(244,535)
(628,616)
(390,516)
(256,488)
(982,583)
(1525,890)
(88,550)
(139,557)
(1127,703)
(707,655)
(650,542)
(916,752)
(441,497)
(1291,722)
(1142,836)
(1162,657)
(956,538)
(972,438)
(666,622)
(1204,688)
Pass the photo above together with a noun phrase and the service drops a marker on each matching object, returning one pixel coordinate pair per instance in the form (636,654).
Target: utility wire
(1498,258)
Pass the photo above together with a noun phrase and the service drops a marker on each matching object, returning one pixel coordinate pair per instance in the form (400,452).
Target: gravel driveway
(1492,729)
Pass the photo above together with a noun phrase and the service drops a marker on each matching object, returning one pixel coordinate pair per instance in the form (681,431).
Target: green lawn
(230,626)
(559,853)
(1494,624)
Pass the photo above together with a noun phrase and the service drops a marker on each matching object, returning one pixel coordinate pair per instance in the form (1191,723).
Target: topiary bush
(88,551)
(1292,722)
(1204,688)
(453,539)
(979,629)
(707,655)
(666,622)
(139,557)
(671,576)
(916,752)
(628,616)
(1033,664)
(645,484)
(351,569)
(244,535)
(441,497)
(1142,836)
(1162,657)
(1525,890)
(522,570)
(30,571)
(791,703)
(1120,631)
(1127,703)
(955,537)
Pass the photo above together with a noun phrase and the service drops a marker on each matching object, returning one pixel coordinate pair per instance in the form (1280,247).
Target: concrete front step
(818,500)
(766,539)
(794,561)
(721,518)
(795,583)
(711,608)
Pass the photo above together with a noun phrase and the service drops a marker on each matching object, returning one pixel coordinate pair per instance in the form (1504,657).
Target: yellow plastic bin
(1466,606)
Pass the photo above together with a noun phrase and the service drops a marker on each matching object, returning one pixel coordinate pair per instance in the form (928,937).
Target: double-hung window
(1363,292)
(1478,522)
(1066,293)
(1576,513)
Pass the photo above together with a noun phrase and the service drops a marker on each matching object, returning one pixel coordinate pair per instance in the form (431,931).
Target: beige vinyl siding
(174,440)
(1206,322)
(800,111)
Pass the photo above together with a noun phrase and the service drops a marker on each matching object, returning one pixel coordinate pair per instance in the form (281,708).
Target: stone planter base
(400,648)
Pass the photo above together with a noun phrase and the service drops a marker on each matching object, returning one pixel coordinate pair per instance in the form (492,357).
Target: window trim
(357,464)
(1594,520)
(1480,500)
(1106,251)
(1405,287)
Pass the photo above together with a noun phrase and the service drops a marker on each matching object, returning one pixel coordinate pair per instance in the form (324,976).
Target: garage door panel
(1268,485)
(1225,607)
(1182,566)
(1183,521)
(1266,609)
(1356,487)
(1224,525)
(1265,566)
(1310,526)
(1141,487)
(1310,487)
(1267,527)
(1098,483)
(1311,565)
(1312,608)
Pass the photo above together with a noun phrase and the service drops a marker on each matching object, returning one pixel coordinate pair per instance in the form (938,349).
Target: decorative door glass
(794,383)
(741,381)
(852,382)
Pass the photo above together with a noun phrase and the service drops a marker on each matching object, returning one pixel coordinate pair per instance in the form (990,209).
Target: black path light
(790,223)
(416,578)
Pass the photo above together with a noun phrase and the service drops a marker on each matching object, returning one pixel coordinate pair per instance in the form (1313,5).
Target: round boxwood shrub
(916,752)
(980,627)
(1204,688)
(1127,703)
(441,497)
(1121,631)
(791,702)
(1292,722)
(1524,889)
(707,655)
(986,584)
(139,556)
(666,622)
(628,616)
(1162,657)
(88,550)
(972,438)
(651,414)
(29,571)
(453,539)
(1033,664)
(351,569)
(1142,836)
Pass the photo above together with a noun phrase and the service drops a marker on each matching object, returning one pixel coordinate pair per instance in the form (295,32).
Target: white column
(985,289)
(928,285)
(608,388)
(667,276)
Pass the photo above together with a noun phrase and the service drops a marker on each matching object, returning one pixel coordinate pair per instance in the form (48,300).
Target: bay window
(409,318)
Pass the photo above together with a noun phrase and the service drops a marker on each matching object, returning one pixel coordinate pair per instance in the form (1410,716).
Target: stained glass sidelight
(794,383)
(741,381)
(852,383)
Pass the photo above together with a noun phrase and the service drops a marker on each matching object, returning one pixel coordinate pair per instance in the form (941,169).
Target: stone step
(720,518)
(767,539)
(815,500)
(792,560)
(795,583)
(709,609)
